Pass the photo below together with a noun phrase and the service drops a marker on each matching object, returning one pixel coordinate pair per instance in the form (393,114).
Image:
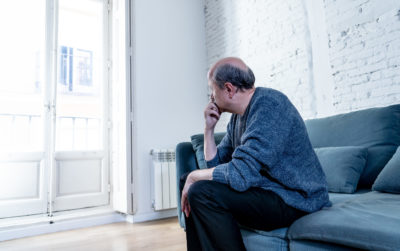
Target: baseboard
(59,225)
(141,217)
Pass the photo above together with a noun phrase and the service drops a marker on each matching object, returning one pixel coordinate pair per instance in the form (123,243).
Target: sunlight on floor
(155,235)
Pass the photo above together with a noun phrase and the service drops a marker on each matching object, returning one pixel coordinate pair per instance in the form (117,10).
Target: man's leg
(216,210)
(192,240)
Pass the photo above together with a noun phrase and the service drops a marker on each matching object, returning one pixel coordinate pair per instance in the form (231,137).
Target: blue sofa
(367,217)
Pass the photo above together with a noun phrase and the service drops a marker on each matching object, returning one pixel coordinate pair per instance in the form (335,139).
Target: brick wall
(273,37)
(364,51)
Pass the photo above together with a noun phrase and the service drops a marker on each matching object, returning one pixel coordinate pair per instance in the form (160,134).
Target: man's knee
(201,191)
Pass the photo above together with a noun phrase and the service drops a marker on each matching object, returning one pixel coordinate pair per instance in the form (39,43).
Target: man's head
(228,79)
(234,71)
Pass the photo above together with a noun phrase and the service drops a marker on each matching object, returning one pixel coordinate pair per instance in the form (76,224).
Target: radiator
(164,179)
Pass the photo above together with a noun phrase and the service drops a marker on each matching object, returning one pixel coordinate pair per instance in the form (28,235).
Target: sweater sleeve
(224,150)
(267,129)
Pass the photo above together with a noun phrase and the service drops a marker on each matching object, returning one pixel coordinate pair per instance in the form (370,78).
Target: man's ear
(230,88)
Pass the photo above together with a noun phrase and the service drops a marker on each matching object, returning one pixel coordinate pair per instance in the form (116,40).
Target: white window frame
(122,107)
(47,160)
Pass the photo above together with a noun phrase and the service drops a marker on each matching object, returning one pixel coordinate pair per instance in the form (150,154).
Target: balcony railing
(19,132)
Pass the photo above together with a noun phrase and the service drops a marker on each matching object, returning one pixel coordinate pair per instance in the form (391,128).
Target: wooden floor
(155,235)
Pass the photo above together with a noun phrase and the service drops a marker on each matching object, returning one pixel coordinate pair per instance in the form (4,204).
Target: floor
(155,235)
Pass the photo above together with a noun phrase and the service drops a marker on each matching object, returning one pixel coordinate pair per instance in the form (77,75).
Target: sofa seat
(342,197)
(278,239)
(368,221)
(303,245)
(265,240)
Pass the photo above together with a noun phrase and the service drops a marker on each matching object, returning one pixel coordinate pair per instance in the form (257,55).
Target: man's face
(216,95)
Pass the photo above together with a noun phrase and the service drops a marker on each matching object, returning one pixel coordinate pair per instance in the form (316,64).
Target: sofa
(360,155)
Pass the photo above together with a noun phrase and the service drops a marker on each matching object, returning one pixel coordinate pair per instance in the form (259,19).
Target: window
(53,107)
(81,76)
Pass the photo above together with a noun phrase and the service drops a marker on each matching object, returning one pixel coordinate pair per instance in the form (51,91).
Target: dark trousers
(217,210)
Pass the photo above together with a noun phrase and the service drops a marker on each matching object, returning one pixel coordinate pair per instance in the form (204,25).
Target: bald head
(232,70)
(235,62)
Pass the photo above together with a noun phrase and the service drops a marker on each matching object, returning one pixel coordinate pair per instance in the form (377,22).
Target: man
(264,174)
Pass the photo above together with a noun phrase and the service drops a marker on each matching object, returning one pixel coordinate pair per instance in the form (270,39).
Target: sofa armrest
(185,162)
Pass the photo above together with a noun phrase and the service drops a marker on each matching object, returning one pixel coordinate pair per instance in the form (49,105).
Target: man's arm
(267,131)
(224,150)
(210,148)
(200,174)
(211,115)
(212,154)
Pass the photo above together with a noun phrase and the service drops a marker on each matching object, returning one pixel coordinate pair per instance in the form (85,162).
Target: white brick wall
(364,50)
(273,37)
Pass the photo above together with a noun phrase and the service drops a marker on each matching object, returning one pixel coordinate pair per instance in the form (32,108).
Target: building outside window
(75,69)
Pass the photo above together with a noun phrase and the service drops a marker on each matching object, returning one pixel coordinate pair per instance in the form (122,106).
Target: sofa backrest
(378,129)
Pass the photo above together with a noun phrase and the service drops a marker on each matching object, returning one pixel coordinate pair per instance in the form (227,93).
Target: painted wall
(364,51)
(271,37)
(327,56)
(170,86)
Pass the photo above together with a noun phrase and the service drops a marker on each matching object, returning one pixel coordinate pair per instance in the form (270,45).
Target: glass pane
(80,77)
(22,46)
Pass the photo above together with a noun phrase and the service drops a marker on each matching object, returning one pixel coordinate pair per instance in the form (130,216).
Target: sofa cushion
(255,240)
(198,147)
(378,156)
(342,197)
(342,166)
(370,221)
(302,245)
(378,129)
(278,233)
(369,127)
(389,178)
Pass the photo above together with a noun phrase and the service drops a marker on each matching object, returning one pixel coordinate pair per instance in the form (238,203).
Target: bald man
(263,175)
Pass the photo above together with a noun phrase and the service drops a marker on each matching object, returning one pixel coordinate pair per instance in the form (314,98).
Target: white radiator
(164,179)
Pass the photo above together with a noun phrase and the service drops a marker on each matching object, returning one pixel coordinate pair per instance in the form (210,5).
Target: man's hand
(204,174)
(211,115)
(184,200)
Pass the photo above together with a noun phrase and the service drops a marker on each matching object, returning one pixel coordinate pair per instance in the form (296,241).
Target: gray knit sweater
(269,147)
